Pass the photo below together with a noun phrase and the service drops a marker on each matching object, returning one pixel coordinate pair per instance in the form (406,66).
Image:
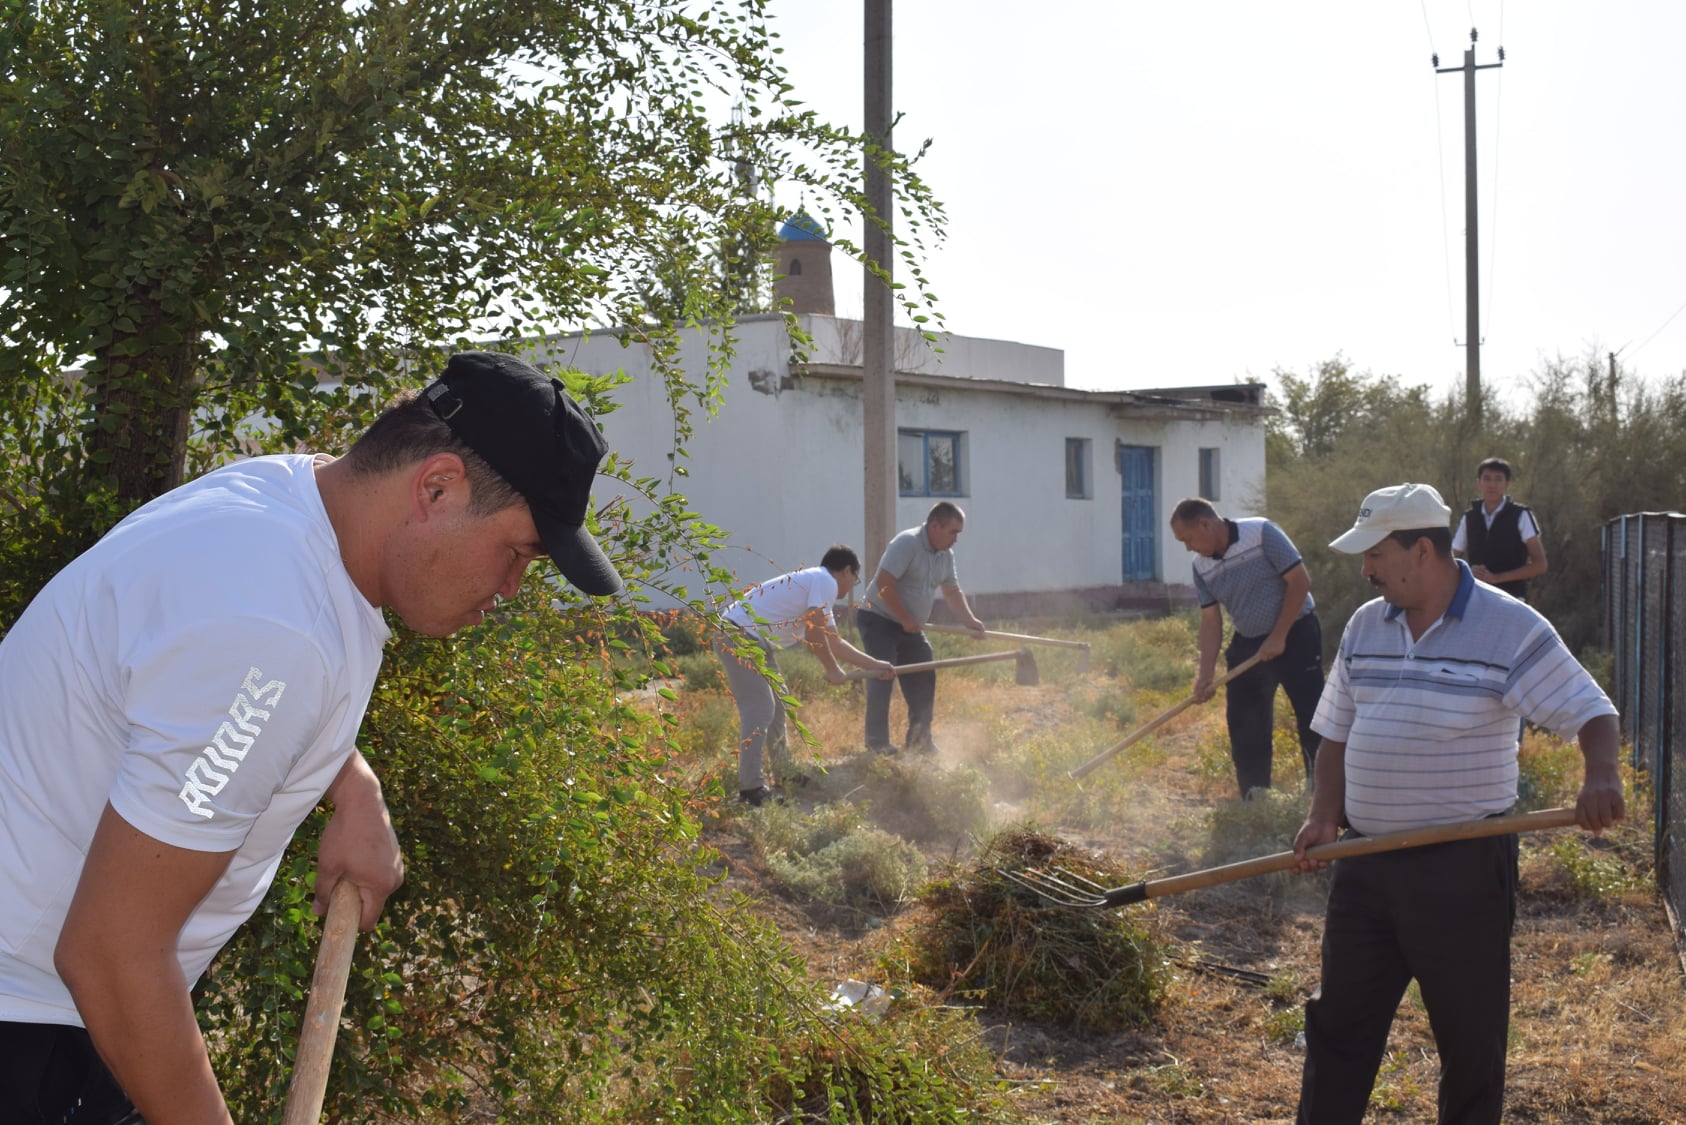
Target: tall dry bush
(1588,442)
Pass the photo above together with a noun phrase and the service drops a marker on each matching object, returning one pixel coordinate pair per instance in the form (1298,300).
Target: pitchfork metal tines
(1059,886)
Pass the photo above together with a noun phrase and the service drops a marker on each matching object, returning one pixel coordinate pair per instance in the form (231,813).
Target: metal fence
(1645,628)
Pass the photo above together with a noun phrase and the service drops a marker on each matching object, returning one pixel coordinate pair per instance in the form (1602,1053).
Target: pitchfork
(1063,887)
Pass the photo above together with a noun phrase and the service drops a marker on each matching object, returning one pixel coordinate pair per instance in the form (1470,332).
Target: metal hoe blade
(1059,886)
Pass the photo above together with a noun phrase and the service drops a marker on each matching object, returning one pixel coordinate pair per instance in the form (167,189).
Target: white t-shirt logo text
(211,770)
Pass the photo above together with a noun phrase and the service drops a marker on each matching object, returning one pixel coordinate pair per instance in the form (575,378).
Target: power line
(1657,333)
(1493,225)
(1445,219)
(1440,151)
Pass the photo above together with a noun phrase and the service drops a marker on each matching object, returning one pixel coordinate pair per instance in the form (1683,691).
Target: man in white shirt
(782,612)
(177,699)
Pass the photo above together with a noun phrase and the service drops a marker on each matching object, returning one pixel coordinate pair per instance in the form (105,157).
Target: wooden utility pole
(1472,253)
(878,371)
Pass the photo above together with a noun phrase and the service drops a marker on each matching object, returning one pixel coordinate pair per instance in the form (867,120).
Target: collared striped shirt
(1430,725)
(1247,578)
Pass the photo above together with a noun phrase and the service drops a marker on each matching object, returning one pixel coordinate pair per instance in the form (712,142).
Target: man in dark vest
(1499,537)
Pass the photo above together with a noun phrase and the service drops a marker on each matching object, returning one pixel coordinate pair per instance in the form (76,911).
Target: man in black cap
(176,701)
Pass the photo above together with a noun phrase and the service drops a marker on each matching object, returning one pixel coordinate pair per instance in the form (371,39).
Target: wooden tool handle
(1361,845)
(961,630)
(930,665)
(1155,723)
(322,1011)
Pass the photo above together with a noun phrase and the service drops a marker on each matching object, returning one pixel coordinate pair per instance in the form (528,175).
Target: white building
(1066,491)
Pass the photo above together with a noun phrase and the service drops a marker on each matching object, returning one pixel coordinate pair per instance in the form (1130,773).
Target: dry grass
(1598,1030)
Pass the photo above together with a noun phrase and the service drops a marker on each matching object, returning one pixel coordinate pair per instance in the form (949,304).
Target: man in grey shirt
(916,565)
(1253,570)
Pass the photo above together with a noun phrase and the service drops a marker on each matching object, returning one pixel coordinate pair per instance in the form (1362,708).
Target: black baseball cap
(539,440)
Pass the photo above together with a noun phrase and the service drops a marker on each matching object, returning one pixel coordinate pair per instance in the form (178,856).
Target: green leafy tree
(1588,443)
(214,212)
(208,207)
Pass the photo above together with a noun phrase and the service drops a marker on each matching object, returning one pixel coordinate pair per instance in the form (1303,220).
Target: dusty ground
(1598,1033)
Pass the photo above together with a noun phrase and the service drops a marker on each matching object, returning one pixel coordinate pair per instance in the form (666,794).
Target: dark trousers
(1441,915)
(884,639)
(1250,700)
(50,1074)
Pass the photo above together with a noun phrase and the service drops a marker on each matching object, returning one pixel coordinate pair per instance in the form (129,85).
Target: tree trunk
(143,407)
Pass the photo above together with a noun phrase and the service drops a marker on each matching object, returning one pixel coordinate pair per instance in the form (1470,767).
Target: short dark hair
(409,430)
(1498,463)
(839,557)
(1193,508)
(1440,538)
(945,511)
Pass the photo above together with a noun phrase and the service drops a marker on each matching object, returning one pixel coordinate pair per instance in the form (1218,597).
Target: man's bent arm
(117,955)
(358,842)
(892,595)
(1328,805)
(1600,804)
(1533,568)
(1211,635)
(955,598)
(1297,584)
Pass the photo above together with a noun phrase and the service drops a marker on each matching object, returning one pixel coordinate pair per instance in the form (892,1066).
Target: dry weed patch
(987,939)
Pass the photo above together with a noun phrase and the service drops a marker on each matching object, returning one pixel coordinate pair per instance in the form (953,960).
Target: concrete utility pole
(878,371)
(1472,255)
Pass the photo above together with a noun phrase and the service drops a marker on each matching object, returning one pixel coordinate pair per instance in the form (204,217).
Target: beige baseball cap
(1399,507)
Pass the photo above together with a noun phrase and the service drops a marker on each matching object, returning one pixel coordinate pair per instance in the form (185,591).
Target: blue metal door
(1141,523)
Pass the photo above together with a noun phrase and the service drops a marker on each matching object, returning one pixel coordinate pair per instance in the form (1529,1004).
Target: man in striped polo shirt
(1419,723)
(1252,569)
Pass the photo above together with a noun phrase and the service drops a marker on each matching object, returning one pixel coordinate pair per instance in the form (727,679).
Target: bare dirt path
(1598,1033)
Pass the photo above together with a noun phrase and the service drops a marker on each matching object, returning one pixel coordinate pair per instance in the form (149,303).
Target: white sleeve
(1335,710)
(1528,527)
(219,714)
(1460,542)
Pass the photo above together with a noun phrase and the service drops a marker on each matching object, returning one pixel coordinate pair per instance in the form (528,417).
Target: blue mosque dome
(802,227)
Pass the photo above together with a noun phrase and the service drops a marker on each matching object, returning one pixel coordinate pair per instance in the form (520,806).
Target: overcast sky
(1190,193)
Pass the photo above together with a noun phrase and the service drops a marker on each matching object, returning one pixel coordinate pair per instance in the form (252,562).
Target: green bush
(867,868)
(1244,829)
(1158,654)
(1595,871)
(701,671)
(832,855)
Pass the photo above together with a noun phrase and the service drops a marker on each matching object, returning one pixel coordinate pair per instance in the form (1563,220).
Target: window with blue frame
(930,462)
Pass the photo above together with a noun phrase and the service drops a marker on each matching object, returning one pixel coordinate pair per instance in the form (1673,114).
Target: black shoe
(919,740)
(759,796)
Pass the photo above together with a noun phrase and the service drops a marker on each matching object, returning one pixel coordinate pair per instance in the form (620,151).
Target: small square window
(930,462)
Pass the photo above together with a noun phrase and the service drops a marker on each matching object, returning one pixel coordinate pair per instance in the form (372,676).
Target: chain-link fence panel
(1645,603)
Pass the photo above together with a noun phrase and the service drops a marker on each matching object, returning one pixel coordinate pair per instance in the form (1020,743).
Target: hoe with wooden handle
(322,1011)
(1024,668)
(1155,723)
(1082,647)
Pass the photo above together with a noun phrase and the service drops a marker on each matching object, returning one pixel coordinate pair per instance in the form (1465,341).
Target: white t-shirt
(204,668)
(778,610)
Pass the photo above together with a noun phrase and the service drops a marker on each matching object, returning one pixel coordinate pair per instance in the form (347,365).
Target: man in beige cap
(1419,720)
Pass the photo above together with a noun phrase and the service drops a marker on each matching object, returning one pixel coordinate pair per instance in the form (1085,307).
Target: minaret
(804,267)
